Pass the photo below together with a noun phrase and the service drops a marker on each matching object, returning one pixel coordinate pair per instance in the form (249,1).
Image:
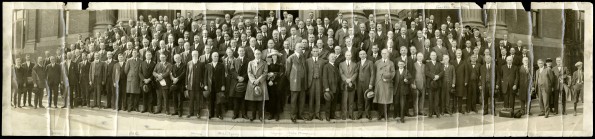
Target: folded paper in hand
(162,82)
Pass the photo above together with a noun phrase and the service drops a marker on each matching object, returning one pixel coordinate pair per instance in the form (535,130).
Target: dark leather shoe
(235,117)
(189,115)
(294,120)
(541,114)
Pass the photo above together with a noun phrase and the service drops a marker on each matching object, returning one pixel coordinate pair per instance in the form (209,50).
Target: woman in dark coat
(274,76)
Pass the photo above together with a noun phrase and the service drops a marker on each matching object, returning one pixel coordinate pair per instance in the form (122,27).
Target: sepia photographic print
(297,69)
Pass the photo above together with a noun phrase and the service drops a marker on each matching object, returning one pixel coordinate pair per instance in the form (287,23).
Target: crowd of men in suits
(320,66)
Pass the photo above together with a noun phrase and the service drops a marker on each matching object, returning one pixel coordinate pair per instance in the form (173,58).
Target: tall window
(535,20)
(580,26)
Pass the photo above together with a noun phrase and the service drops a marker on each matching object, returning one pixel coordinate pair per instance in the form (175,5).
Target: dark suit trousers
(19,95)
(347,103)
(194,100)
(509,98)
(239,106)
(69,95)
(121,96)
(445,102)
(28,92)
(327,106)
(256,107)
(297,109)
(97,89)
(335,103)
(363,104)
(53,94)
(555,95)
(147,98)
(276,100)
(399,104)
(472,94)
(434,108)
(488,100)
(162,99)
(109,91)
(178,100)
(85,92)
(315,92)
(544,96)
(211,103)
(38,97)
(132,101)
(563,100)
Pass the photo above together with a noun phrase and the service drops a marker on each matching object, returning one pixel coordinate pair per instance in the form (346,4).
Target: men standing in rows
(314,81)
(146,71)
(433,72)
(295,68)
(383,93)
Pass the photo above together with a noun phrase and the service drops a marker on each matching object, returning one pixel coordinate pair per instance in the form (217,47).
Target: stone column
(126,15)
(472,17)
(213,14)
(498,22)
(246,14)
(102,19)
(350,15)
(392,15)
